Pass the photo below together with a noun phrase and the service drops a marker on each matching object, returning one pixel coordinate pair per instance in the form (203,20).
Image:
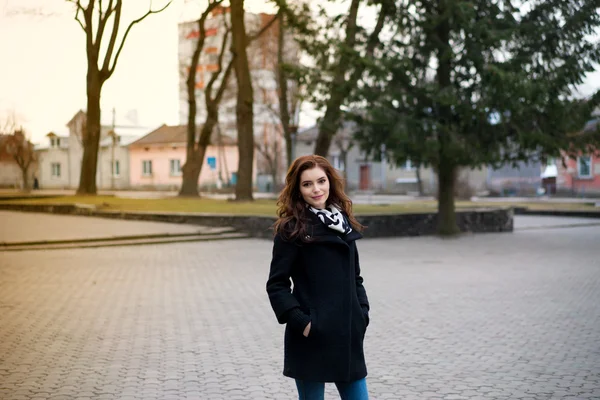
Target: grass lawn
(268,207)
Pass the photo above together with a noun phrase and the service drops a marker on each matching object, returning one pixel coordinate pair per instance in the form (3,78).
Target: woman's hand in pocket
(306,330)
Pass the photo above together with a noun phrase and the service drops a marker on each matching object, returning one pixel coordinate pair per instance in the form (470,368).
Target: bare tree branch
(216,73)
(78,6)
(226,76)
(102,22)
(150,12)
(89,31)
(106,70)
(263,29)
(100,19)
(78,20)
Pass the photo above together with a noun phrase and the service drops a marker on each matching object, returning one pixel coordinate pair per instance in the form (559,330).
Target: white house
(53,162)
(60,157)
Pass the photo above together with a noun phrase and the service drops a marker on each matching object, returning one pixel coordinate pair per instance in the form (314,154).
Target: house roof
(166,134)
(78,114)
(54,134)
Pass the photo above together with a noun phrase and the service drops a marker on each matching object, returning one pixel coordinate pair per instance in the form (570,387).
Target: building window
(147,167)
(338,163)
(55,142)
(175,167)
(584,166)
(56,170)
(115,168)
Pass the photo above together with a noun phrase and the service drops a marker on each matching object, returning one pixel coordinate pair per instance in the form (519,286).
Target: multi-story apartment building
(262,54)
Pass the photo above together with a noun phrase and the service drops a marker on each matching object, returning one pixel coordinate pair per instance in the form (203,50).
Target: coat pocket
(363,321)
(313,323)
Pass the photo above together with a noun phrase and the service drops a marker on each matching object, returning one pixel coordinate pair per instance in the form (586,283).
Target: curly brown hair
(291,223)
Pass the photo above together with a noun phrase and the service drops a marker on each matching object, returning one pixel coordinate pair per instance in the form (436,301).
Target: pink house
(157,158)
(582,175)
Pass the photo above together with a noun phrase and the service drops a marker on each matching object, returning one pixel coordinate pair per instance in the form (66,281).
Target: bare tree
(288,89)
(94,19)
(196,149)
(213,95)
(14,143)
(245,99)
(344,78)
(270,150)
(282,86)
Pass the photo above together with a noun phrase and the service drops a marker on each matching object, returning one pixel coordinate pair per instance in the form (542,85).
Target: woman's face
(314,187)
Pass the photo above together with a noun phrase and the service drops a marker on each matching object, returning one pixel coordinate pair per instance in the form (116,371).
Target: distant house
(60,157)
(525,178)
(580,176)
(54,162)
(362,173)
(156,160)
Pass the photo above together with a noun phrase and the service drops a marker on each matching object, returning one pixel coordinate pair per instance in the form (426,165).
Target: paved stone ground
(495,316)
(543,222)
(27,227)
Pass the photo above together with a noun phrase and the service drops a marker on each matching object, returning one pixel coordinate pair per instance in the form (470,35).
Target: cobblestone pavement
(542,222)
(495,316)
(28,227)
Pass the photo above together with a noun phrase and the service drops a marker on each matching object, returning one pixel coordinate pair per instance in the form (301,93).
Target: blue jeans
(356,390)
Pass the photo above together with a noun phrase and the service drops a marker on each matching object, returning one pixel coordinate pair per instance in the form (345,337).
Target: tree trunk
(329,125)
(91,138)
(245,102)
(446,168)
(446,208)
(192,166)
(195,157)
(191,172)
(284,109)
(419,180)
(25,173)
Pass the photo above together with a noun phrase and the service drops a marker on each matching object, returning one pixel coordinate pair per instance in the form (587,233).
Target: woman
(327,312)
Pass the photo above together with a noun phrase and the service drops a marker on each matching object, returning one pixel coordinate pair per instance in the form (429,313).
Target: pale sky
(43,68)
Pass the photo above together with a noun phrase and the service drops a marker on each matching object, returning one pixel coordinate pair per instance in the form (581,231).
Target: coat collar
(319,232)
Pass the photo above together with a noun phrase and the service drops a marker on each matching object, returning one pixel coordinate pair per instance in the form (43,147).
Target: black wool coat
(327,291)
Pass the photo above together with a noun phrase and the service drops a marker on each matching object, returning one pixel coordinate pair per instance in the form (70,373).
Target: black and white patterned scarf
(333,218)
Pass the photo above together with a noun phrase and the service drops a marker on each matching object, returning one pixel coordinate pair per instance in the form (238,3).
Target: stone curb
(5,245)
(557,213)
(380,225)
(119,242)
